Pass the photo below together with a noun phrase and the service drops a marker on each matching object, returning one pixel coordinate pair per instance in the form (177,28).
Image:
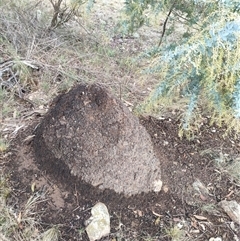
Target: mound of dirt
(90,134)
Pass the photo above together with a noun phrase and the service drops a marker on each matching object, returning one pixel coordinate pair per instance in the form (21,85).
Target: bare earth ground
(146,216)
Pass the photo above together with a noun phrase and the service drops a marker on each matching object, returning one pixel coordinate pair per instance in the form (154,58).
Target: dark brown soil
(144,215)
(90,134)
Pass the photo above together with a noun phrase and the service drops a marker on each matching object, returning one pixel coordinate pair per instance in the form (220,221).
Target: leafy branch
(206,65)
(201,69)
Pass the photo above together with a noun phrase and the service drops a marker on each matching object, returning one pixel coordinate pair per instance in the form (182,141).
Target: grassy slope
(37,64)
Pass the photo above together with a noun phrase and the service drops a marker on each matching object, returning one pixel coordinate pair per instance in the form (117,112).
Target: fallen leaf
(195,231)
(202,218)
(165,188)
(138,212)
(202,197)
(202,226)
(28,139)
(177,220)
(194,223)
(33,186)
(157,221)
(157,214)
(229,194)
(19,218)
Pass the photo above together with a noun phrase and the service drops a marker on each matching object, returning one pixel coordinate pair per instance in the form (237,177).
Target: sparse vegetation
(3,145)
(175,233)
(45,48)
(210,208)
(22,224)
(229,165)
(48,46)
(226,163)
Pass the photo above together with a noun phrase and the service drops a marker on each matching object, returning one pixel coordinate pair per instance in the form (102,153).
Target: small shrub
(175,233)
(201,68)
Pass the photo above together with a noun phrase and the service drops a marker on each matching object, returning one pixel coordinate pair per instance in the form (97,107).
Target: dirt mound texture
(90,134)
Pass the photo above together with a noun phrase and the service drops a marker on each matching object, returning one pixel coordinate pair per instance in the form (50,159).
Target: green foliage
(189,12)
(3,145)
(134,10)
(203,67)
(207,65)
(175,233)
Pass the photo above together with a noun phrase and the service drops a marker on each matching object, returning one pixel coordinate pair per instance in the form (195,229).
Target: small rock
(236,238)
(215,239)
(99,222)
(200,188)
(136,35)
(157,185)
(165,188)
(232,208)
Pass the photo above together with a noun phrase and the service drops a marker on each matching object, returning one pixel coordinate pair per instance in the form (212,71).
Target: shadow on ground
(143,215)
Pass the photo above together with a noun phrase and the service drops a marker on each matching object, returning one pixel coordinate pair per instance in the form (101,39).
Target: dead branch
(165,23)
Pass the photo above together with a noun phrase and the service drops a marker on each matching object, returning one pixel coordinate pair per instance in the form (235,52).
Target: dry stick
(185,19)
(56,7)
(165,23)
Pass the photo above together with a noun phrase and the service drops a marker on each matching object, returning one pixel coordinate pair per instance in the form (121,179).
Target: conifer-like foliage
(203,68)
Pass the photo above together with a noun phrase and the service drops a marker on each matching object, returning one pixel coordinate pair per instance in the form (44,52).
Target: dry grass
(36,64)
(227,164)
(230,165)
(175,233)
(22,224)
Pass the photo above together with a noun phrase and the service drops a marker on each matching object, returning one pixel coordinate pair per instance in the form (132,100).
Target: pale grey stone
(215,239)
(157,185)
(99,222)
(200,188)
(232,208)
